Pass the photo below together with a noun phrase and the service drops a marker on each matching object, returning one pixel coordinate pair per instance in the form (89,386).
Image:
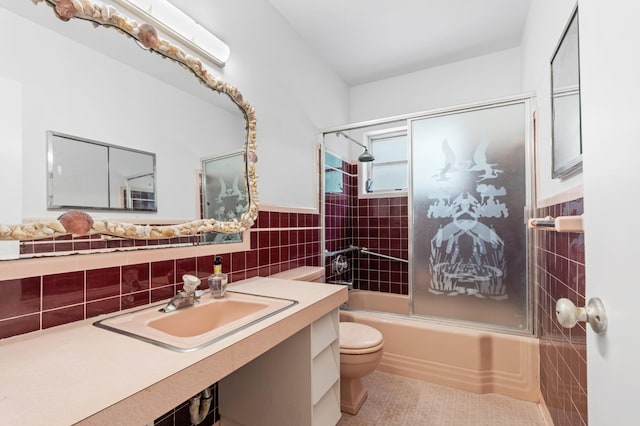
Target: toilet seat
(358,338)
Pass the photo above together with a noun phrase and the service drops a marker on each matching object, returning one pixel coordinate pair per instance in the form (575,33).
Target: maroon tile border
(279,241)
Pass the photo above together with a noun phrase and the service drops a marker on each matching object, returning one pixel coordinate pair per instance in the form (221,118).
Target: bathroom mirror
(565,102)
(134,118)
(113,177)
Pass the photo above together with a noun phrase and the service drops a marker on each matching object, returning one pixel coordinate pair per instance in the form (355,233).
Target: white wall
(478,79)
(11,136)
(513,71)
(69,88)
(545,23)
(292,92)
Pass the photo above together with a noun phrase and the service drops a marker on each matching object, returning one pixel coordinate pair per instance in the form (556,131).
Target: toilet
(360,347)
(360,353)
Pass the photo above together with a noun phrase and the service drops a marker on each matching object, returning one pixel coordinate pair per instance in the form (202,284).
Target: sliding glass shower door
(469,190)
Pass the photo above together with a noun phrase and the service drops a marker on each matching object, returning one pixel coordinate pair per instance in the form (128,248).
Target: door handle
(568,314)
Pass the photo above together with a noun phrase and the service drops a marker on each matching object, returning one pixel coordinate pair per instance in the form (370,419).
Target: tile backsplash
(560,272)
(279,241)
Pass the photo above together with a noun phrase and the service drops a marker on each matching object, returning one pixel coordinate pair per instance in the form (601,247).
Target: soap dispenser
(217,280)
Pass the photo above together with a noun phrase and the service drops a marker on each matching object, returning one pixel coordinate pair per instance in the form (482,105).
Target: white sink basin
(195,327)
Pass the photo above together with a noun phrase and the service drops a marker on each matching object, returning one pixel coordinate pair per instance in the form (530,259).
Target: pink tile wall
(279,241)
(560,272)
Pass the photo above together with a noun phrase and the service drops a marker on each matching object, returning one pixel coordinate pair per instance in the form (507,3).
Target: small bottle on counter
(217,280)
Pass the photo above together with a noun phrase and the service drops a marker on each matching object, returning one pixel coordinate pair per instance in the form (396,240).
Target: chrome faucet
(188,296)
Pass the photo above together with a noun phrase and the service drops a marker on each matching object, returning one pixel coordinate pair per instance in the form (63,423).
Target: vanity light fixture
(172,21)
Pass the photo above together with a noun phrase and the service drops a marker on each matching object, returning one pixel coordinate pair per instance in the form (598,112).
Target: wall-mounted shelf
(558,224)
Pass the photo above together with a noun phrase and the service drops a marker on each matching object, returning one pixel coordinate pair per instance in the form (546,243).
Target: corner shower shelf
(558,224)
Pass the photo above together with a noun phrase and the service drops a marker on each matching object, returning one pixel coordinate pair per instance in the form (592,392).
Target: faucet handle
(190,283)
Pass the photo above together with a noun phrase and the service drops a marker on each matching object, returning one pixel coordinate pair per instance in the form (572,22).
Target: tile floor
(396,400)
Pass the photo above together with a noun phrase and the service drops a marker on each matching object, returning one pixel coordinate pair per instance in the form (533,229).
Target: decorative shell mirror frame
(76,222)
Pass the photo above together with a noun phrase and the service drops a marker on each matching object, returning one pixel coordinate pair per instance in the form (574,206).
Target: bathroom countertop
(81,373)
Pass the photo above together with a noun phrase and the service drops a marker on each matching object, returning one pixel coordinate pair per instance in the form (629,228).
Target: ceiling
(368,40)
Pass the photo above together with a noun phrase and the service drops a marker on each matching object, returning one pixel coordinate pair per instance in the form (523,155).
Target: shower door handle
(568,314)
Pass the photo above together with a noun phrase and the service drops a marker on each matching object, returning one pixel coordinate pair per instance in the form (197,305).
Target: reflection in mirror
(85,174)
(119,92)
(224,193)
(565,102)
(333,174)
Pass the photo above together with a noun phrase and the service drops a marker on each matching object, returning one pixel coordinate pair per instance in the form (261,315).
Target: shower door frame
(529,102)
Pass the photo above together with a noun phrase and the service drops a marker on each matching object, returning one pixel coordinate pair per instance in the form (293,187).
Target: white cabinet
(325,370)
(296,382)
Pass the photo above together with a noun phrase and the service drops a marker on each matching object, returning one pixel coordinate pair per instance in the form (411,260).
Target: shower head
(366,156)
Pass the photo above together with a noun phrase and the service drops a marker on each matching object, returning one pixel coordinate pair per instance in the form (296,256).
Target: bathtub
(460,357)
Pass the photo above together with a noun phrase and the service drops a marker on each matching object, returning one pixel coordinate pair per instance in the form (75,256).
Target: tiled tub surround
(560,272)
(338,212)
(70,291)
(108,378)
(380,224)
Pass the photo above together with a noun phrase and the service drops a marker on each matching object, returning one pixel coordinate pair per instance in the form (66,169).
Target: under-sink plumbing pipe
(199,406)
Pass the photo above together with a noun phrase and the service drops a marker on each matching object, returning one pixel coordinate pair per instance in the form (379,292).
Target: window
(389,171)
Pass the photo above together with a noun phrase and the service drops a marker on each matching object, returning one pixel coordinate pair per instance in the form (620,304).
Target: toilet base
(352,395)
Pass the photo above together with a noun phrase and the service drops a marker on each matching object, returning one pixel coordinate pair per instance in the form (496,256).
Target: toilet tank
(302,273)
